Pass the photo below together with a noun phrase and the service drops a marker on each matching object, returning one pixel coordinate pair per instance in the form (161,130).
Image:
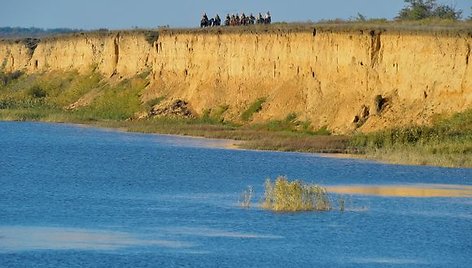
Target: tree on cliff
(422,9)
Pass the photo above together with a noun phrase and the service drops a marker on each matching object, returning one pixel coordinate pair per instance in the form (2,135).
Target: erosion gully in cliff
(329,77)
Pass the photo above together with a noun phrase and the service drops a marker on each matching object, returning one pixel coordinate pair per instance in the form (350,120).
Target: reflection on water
(416,190)
(386,261)
(19,238)
(22,238)
(209,232)
(199,142)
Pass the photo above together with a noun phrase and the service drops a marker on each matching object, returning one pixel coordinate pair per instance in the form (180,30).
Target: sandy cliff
(363,80)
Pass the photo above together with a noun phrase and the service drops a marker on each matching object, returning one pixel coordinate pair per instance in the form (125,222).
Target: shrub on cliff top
(152,36)
(424,9)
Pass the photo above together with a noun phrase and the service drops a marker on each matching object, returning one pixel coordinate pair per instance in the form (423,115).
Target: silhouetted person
(204,21)
(267,18)
(217,20)
(260,19)
(252,19)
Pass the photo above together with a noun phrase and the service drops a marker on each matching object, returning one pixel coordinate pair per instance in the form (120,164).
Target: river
(75,196)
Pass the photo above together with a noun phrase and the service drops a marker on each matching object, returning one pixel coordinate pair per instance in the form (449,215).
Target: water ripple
(20,238)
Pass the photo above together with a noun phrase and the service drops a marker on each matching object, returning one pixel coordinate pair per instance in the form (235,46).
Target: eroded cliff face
(366,80)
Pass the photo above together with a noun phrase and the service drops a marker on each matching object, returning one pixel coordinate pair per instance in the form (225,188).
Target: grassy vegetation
(155,101)
(6,78)
(215,115)
(87,98)
(37,97)
(255,107)
(119,102)
(252,138)
(283,195)
(447,142)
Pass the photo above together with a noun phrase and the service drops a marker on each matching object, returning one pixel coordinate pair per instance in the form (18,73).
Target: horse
(217,21)
(267,20)
(204,22)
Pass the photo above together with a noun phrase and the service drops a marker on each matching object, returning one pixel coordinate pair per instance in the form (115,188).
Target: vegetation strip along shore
(87,99)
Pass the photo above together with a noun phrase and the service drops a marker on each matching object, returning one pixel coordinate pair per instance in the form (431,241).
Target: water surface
(73,196)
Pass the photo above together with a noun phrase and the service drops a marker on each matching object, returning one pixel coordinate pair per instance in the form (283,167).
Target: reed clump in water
(283,195)
(246,197)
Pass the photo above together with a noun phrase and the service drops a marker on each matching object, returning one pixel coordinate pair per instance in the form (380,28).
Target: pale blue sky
(119,14)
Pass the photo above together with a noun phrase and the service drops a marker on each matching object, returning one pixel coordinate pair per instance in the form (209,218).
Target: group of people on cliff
(235,20)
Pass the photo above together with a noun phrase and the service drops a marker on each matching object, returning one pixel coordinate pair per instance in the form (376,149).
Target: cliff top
(408,27)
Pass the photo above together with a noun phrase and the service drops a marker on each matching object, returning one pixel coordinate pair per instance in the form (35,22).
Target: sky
(124,14)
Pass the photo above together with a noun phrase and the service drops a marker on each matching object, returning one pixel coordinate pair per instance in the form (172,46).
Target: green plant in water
(283,195)
(342,204)
(246,197)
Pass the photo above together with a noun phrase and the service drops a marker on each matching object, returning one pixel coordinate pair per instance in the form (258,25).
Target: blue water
(73,196)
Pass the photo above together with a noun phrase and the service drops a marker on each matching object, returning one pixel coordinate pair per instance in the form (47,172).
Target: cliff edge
(346,80)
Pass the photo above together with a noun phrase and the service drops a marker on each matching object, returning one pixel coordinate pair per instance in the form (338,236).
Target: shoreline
(233,144)
(238,144)
(226,143)
(229,144)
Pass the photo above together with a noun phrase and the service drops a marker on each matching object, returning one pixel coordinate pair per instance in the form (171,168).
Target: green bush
(214,115)
(37,92)
(6,78)
(151,36)
(255,107)
(423,9)
(153,102)
(324,131)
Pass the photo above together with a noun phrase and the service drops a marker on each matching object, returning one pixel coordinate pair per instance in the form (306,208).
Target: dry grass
(447,142)
(301,143)
(258,139)
(417,155)
(283,195)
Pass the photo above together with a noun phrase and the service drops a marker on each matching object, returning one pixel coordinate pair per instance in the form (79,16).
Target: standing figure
(233,20)
(217,20)
(260,19)
(227,20)
(268,18)
(243,19)
(204,21)
(252,19)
